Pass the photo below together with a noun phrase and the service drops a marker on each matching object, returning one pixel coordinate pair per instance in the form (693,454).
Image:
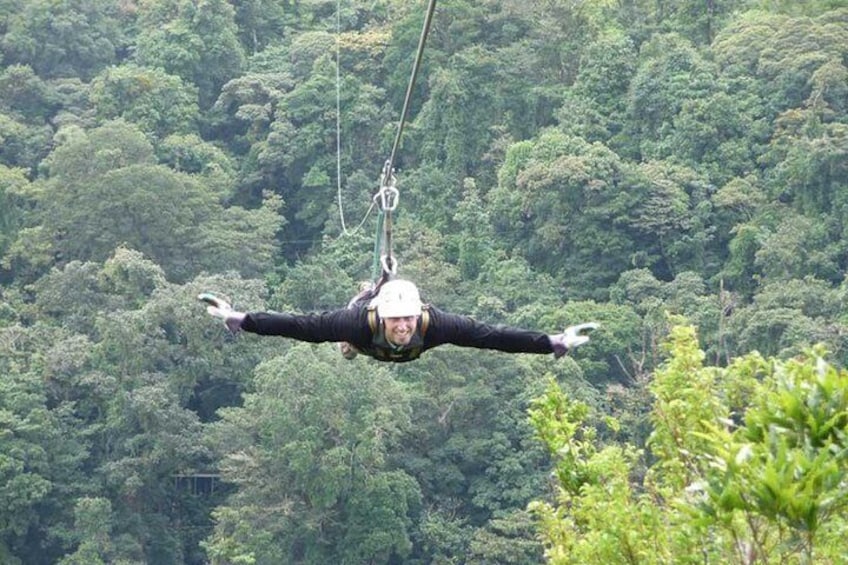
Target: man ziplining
(389,322)
(395,326)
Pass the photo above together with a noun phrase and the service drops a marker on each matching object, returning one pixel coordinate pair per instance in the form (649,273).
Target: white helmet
(397,299)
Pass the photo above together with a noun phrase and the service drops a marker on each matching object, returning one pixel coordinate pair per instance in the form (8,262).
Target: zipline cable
(387,196)
(388,193)
(422,41)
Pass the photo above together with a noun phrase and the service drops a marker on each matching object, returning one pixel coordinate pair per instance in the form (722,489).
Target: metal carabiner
(388,193)
(389,264)
(388,198)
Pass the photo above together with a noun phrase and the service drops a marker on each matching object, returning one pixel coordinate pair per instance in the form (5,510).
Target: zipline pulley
(387,199)
(388,194)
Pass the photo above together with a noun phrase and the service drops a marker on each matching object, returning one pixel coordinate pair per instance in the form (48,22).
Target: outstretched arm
(337,325)
(467,332)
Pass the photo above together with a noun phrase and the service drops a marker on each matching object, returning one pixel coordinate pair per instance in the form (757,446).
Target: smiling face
(399,331)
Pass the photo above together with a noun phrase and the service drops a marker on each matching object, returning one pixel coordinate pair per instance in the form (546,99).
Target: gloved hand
(570,338)
(220,308)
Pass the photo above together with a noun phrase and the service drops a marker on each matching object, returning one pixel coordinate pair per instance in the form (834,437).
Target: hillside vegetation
(676,170)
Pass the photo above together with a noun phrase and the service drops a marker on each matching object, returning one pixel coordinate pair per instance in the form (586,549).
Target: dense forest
(676,170)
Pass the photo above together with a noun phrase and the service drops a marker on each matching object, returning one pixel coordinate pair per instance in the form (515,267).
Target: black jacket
(351,325)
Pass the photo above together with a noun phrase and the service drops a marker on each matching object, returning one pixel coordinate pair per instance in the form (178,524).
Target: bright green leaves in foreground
(746,464)
(787,464)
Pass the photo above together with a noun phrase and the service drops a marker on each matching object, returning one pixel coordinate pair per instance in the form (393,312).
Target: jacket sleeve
(467,332)
(335,325)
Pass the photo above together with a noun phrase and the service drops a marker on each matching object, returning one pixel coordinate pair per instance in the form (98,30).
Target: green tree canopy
(563,202)
(746,461)
(67,39)
(158,103)
(105,190)
(197,42)
(309,450)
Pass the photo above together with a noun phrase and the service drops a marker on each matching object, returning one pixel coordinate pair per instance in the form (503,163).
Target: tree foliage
(560,162)
(317,486)
(157,103)
(746,465)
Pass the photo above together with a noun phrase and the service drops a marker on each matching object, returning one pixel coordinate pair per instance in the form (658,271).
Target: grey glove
(570,338)
(220,308)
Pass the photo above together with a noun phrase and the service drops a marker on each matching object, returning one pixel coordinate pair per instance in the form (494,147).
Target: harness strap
(425,319)
(372,319)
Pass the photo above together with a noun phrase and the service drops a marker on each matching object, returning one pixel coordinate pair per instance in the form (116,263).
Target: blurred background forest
(604,160)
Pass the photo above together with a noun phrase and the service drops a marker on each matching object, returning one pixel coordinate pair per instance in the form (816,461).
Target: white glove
(570,338)
(220,308)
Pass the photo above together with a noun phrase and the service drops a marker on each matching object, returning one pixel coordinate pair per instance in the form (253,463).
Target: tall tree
(13,193)
(786,316)
(25,94)
(158,103)
(808,163)
(67,39)
(595,108)
(781,76)
(196,41)
(563,203)
(104,190)
(298,159)
(673,217)
(455,124)
(43,446)
(670,72)
(309,451)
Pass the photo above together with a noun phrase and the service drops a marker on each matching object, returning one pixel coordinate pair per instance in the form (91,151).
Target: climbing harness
(379,347)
